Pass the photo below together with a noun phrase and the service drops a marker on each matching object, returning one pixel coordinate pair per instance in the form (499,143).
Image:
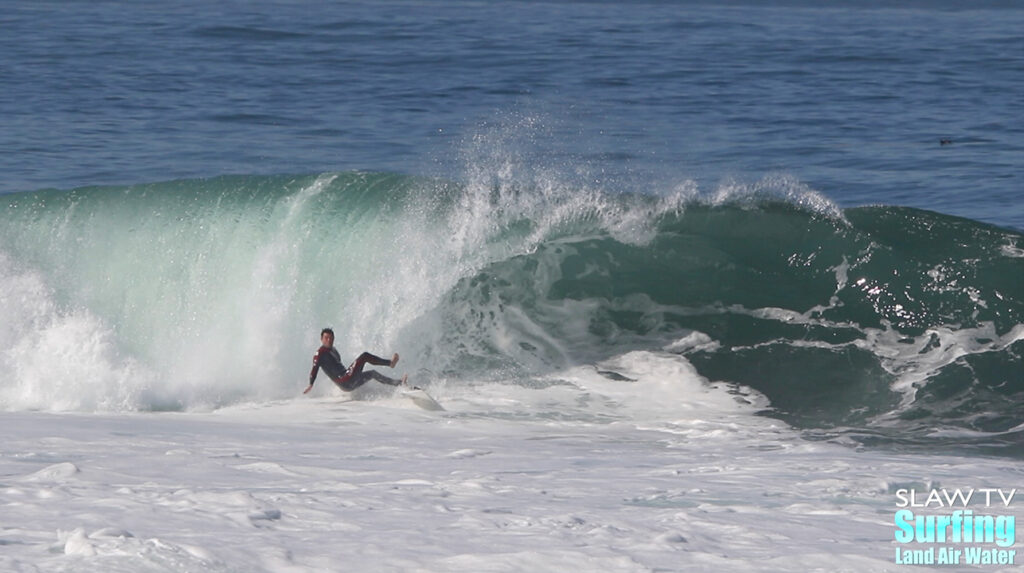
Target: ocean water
(852,100)
(676,270)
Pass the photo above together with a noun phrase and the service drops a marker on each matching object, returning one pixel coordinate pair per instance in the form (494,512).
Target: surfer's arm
(312,378)
(313,372)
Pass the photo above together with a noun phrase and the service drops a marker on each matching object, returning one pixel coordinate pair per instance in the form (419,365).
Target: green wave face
(877,321)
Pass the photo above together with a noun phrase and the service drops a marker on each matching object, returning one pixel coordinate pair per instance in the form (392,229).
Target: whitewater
(331,485)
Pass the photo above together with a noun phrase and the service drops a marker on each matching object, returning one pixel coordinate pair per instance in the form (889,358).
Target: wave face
(880,323)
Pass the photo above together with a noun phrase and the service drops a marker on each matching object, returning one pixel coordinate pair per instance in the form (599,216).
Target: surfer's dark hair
(326,330)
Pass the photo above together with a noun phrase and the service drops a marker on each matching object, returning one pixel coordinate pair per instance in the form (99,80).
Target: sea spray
(59,358)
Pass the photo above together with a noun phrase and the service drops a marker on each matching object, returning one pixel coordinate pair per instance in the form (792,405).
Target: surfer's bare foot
(394,359)
(405,378)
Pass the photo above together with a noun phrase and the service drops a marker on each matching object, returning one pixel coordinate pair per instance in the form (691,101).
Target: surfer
(350,378)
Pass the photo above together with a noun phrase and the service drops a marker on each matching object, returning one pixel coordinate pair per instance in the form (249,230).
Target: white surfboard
(420,397)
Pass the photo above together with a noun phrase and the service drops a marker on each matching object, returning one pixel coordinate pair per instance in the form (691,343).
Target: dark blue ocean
(816,207)
(850,98)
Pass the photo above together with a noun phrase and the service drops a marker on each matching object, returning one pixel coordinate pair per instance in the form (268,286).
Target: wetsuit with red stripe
(350,378)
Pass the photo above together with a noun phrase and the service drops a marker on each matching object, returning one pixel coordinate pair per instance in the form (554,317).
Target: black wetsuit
(350,378)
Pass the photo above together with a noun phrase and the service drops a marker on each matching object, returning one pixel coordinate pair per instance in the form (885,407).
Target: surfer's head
(327,337)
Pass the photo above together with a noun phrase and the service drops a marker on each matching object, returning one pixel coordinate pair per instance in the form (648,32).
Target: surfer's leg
(382,378)
(357,379)
(350,382)
(365,358)
(353,377)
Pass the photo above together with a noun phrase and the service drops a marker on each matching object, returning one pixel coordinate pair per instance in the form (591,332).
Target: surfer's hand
(308,388)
